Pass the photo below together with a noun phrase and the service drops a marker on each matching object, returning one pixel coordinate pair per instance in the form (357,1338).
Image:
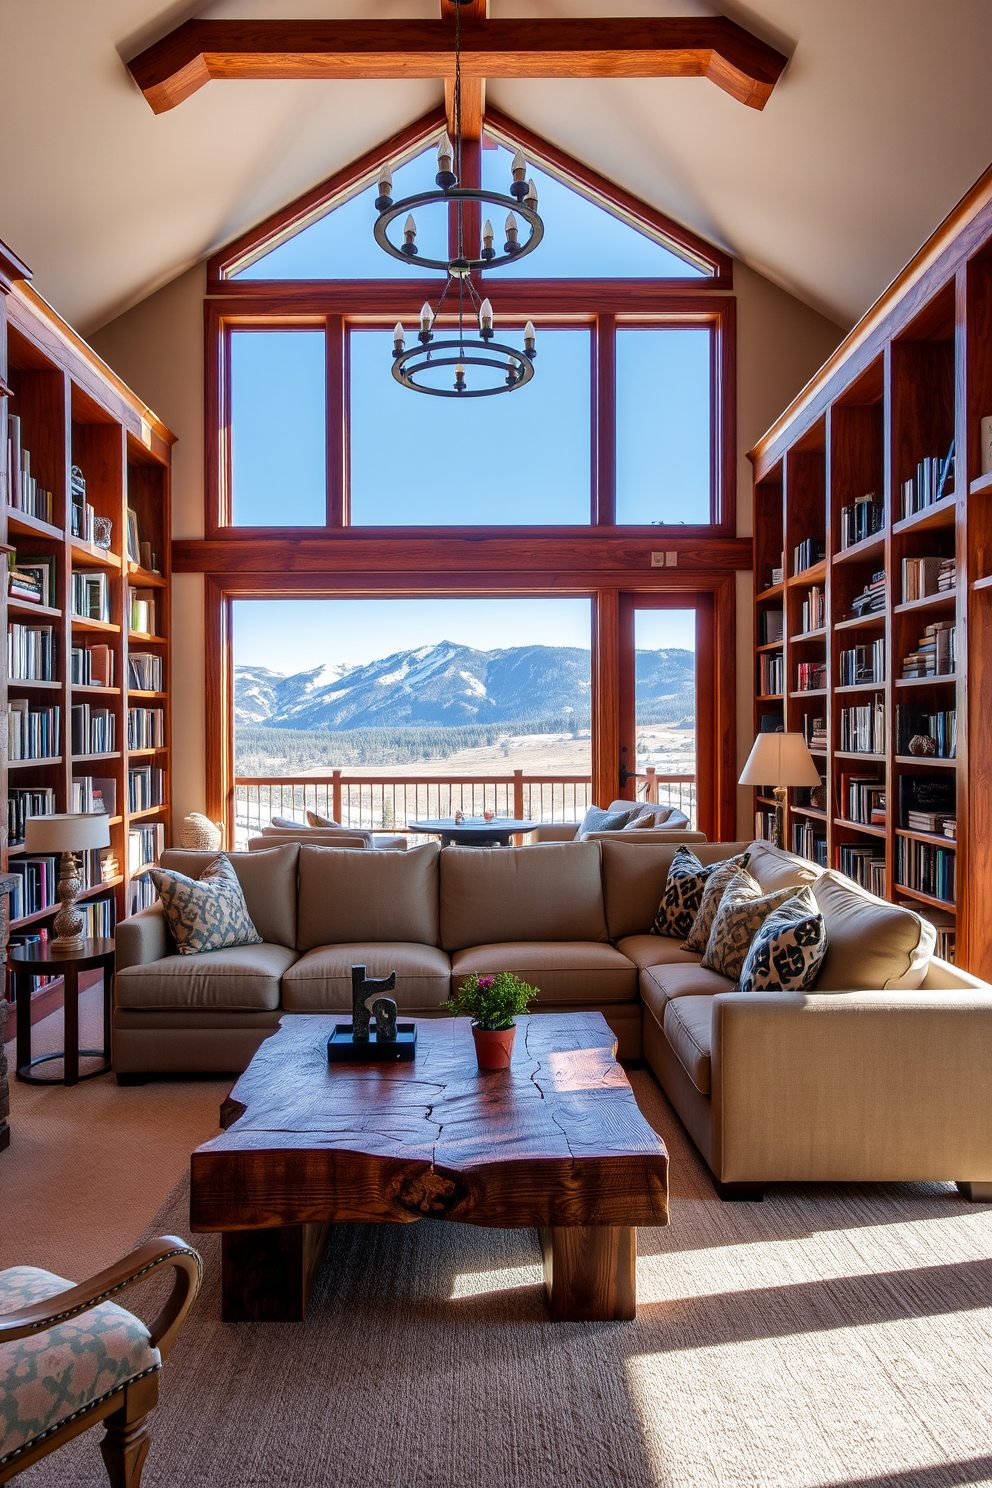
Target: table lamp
(67,833)
(780,760)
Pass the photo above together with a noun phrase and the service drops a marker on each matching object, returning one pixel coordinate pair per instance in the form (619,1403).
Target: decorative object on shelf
(67,833)
(780,760)
(818,797)
(357,1041)
(77,484)
(922,744)
(492,1002)
(103,532)
(364,991)
(467,348)
(199,834)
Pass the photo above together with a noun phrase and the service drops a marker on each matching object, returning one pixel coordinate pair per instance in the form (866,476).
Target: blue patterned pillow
(787,949)
(598,820)
(208,913)
(687,879)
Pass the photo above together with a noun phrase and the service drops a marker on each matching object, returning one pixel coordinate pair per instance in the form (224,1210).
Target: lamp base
(68,923)
(781,794)
(66,944)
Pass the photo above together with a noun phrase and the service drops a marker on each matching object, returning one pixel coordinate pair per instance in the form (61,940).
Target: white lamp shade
(66,832)
(780,759)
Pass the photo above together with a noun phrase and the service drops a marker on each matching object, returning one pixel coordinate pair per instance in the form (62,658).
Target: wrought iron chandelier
(474,346)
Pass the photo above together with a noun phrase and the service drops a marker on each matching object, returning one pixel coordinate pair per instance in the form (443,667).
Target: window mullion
(606,422)
(337,433)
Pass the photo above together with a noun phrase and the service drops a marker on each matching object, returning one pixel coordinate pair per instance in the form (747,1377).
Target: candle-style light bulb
(399,336)
(530,200)
(426,316)
(511,227)
(519,166)
(487,234)
(530,336)
(486,316)
(409,229)
(445,154)
(386,180)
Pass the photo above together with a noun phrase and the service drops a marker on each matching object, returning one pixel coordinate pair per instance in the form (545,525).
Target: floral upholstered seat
(49,1377)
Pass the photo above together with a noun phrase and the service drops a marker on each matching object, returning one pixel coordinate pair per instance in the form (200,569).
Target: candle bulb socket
(459,378)
(385,197)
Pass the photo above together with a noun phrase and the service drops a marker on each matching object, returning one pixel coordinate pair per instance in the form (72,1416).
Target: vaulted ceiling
(879,124)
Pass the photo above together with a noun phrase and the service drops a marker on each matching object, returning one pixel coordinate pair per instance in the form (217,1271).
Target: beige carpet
(827,1337)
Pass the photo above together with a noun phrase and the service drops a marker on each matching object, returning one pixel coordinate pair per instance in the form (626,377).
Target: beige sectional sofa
(881,1073)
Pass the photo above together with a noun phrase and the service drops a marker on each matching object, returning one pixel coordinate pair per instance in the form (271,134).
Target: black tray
(342,1048)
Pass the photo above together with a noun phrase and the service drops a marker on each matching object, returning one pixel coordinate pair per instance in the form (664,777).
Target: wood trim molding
(713,47)
(12,268)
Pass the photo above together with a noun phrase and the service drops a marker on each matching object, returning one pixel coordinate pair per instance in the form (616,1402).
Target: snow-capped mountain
(445,684)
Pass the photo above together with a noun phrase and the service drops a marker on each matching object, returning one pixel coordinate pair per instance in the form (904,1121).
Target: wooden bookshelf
(914,375)
(75,412)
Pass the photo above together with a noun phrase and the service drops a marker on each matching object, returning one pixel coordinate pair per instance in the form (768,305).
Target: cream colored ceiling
(879,124)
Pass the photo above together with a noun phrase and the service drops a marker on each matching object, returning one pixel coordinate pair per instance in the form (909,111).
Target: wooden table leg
(22,1008)
(107,974)
(589,1271)
(267,1275)
(70,1003)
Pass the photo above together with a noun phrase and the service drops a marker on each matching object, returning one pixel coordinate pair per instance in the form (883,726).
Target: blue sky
(295,635)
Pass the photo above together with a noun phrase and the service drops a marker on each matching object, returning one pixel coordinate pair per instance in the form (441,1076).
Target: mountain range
(449,684)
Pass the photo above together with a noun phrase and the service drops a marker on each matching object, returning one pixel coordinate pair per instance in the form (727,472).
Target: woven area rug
(829,1336)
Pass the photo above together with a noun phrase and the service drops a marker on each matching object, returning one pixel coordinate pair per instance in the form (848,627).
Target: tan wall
(157,347)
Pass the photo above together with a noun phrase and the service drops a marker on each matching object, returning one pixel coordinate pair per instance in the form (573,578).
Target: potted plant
(492,1002)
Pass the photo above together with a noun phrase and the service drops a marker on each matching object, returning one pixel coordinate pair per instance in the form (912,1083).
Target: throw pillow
(598,820)
(288,823)
(741,911)
(787,948)
(646,819)
(316,820)
(684,888)
(208,913)
(718,877)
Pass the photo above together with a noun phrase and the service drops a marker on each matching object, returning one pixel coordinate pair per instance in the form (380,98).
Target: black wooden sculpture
(366,991)
(384,1012)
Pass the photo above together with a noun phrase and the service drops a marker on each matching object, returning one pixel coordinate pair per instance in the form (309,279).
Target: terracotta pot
(493,1047)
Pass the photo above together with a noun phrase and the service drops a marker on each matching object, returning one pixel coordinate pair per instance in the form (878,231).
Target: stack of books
(811,676)
(926,800)
(814,610)
(810,551)
(39,877)
(862,518)
(862,799)
(935,655)
(862,729)
(948,576)
(863,664)
(24,491)
(32,579)
(871,598)
(934,479)
(98,919)
(141,893)
(921,576)
(814,731)
(93,729)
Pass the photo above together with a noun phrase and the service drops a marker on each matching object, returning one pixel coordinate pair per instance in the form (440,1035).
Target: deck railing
(385,803)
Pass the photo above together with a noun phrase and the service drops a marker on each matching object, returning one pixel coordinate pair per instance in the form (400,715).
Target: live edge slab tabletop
(555,1143)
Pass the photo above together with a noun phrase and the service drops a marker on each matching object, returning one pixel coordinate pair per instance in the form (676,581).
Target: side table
(42,960)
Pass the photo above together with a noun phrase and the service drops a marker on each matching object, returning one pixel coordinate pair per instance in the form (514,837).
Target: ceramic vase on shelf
(494,1046)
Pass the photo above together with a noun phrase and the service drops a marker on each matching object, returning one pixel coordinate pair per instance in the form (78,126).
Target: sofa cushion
(774,868)
(268,880)
(320,981)
(688,1021)
(549,892)
(243,979)
(787,948)
(656,950)
(574,972)
(207,913)
(635,874)
(714,888)
(742,910)
(661,985)
(352,897)
(871,945)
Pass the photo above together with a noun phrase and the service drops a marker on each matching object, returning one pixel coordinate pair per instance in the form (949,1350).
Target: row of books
(32,653)
(137,551)
(142,610)
(33,579)
(98,918)
(814,610)
(932,481)
(92,730)
(771,626)
(38,875)
(33,732)
(913,721)
(144,846)
(23,491)
(863,663)
(862,800)
(30,938)
(924,576)
(810,841)
(933,822)
(771,673)
(141,894)
(91,666)
(145,672)
(764,825)
(23,802)
(926,868)
(814,730)
(862,729)
(94,794)
(807,553)
(936,652)
(145,787)
(861,518)
(872,597)
(90,595)
(865,864)
(145,728)
(811,676)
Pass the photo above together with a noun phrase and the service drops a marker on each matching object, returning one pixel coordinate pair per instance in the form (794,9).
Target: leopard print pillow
(683,893)
(741,912)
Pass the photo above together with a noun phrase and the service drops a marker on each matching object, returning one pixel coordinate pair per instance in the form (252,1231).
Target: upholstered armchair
(669,825)
(70,1357)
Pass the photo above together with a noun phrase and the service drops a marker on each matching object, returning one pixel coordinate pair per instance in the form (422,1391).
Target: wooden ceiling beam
(706,46)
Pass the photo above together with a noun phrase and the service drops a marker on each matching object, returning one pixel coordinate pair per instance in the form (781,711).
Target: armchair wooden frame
(126,1410)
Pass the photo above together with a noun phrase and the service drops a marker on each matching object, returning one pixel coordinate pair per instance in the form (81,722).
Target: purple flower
(485,982)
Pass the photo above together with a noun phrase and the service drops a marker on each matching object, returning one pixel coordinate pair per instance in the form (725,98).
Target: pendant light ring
(408,365)
(458,194)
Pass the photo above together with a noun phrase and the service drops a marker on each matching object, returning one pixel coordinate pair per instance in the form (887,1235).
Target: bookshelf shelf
(945,679)
(926,760)
(875,621)
(809,692)
(808,635)
(981,584)
(148,811)
(863,551)
(774,591)
(861,687)
(945,601)
(87,418)
(809,811)
(139,692)
(769,697)
(935,837)
(853,754)
(853,826)
(814,575)
(770,646)
(946,904)
(159,749)
(941,514)
(141,635)
(981,484)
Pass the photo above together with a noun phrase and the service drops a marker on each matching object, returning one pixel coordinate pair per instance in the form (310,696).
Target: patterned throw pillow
(208,913)
(598,820)
(741,912)
(787,949)
(683,894)
(719,876)
(316,820)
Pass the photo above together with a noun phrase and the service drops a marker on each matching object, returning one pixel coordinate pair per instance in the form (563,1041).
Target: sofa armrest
(852,1086)
(555,832)
(141,938)
(313,837)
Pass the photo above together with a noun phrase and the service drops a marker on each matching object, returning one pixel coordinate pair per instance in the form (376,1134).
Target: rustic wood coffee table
(555,1143)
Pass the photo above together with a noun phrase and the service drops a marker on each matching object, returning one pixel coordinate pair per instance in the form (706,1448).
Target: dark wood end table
(555,1143)
(42,960)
